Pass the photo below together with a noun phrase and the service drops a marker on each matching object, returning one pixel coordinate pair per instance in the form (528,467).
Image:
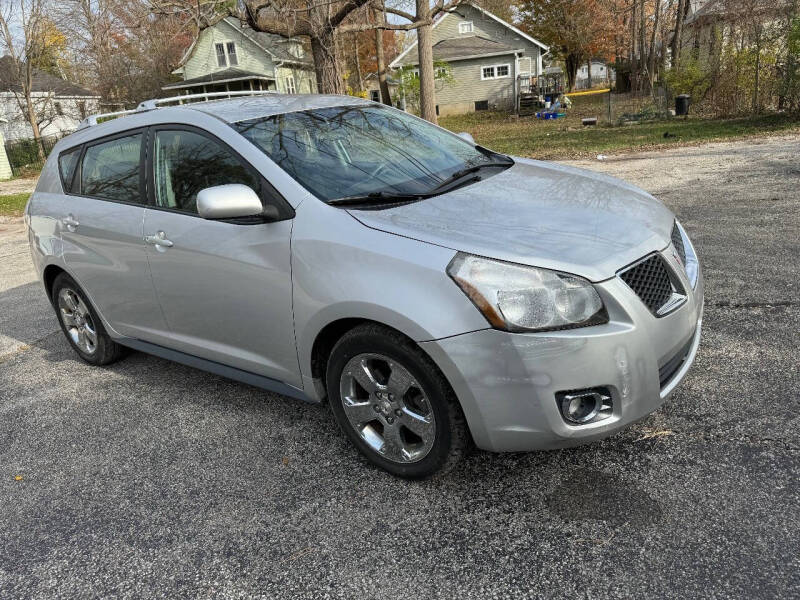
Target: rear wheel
(81,325)
(393,403)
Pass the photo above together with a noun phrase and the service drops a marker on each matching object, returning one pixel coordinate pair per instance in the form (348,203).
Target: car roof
(227,110)
(233,110)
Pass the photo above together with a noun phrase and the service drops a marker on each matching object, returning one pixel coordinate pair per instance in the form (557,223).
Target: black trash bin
(682,104)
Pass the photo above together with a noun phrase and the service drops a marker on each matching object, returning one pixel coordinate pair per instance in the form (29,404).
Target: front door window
(186,162)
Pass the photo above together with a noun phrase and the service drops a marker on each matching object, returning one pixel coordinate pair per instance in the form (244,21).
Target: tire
(81,325)
(412,433)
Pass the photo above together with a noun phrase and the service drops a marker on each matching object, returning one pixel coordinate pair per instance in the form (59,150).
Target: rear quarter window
(67,161)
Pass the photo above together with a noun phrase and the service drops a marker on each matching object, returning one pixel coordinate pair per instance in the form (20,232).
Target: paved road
(151,479)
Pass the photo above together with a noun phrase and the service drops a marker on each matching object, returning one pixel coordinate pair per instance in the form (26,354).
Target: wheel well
(324,343)
(49,276)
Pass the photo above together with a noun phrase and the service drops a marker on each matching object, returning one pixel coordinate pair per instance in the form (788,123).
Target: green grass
(12,205)
(567,138)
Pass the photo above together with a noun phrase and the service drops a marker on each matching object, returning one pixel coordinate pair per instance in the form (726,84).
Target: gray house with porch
(491,60)
(230,57)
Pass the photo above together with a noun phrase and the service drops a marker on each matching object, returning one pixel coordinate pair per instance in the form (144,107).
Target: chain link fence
(610,108)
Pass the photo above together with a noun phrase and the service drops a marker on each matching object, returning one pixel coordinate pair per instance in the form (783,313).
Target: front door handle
(70,222)
(159,239)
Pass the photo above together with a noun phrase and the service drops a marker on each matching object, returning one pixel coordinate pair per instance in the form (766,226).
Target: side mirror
(465,136)
(228,201)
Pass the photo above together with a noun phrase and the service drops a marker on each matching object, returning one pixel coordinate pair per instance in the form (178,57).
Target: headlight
(688,255)
(519,298)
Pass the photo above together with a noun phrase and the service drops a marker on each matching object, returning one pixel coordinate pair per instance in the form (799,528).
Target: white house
(601,74)
(59,104)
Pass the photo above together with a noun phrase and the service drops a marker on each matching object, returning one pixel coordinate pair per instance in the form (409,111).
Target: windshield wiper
(378,198)
(453,177)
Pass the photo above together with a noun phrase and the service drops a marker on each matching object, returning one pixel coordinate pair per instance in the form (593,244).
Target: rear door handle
(70,223)
(159,239)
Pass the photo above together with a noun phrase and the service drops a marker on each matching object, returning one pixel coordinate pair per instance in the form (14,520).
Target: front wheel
(393,403)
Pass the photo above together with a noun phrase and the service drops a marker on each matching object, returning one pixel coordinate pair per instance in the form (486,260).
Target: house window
(495,72)
(441,72)
(465,27)
(221,62)
(481,105)
(232,59)
(290,89)
(375,95)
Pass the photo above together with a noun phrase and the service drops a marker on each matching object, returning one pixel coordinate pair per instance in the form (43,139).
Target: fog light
(584,406)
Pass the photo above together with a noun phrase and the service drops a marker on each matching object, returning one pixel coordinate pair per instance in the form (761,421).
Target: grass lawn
(567,138)
(12,205)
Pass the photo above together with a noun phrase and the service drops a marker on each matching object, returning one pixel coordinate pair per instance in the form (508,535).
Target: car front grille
(668,370)
(677,241)
(651,281)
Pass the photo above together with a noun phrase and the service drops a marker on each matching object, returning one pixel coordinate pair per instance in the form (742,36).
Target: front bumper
(507,382)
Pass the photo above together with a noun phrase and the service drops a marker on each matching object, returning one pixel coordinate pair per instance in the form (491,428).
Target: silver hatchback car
(435,292)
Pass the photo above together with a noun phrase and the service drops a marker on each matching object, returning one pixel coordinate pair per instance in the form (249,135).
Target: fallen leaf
(655,433)
(17,477)
(285,461)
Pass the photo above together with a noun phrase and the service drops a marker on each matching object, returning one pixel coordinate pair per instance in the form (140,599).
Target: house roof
(223,76)
(399,60)
(467,46)
(42,82)
(276,45)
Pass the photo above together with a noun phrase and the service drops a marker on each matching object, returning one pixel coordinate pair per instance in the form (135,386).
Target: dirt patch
(18,186)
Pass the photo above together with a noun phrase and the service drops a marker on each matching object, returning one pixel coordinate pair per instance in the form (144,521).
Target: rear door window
(111,170)
(67,162)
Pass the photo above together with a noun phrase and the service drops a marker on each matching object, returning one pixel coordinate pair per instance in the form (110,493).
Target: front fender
(343,269)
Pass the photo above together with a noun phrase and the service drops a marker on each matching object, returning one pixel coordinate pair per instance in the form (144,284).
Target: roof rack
(147,105)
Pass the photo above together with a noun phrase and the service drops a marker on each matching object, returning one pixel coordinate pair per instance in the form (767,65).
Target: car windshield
(363,150)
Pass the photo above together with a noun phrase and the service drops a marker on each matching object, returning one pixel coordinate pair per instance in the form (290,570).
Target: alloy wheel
(77,320)
(387,407)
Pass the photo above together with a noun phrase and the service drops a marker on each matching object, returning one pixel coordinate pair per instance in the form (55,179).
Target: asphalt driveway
(150,479)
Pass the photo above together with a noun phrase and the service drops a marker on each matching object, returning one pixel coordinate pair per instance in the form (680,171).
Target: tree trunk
(381,60)
(756,82)
(589,74)
(634,63)
(676,40)
(326,64)
(651,63)
(572,61)
(642,43)
(30,109)
(427,89)
(357,59)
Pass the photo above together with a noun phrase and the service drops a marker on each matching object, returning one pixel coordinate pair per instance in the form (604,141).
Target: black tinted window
(186,162)
(110,170)
(67,162)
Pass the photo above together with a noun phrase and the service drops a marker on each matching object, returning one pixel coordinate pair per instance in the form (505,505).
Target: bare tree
(680,15)
(380,58)
(26,37)
(422,20)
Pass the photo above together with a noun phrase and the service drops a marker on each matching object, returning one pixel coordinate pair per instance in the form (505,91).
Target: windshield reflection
(360,150)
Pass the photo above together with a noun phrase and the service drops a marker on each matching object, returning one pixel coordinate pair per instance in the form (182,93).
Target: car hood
(539,214)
